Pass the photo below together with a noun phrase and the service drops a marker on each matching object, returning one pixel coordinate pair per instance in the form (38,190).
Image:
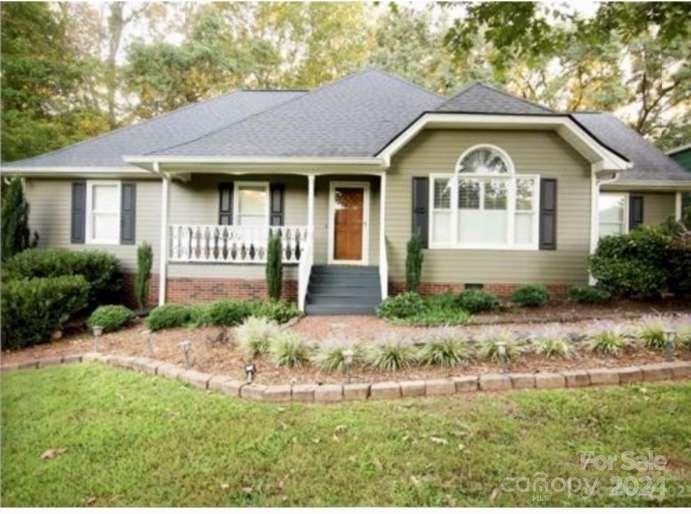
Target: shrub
(32,309)
(534,295)
(413,264)
(110,317)
(608,342)
(15,233)
(274,266)
(230,312)
(653,335)
(141,285)
(438,315)
(554,348)
(679,263)
(255,334)
(476,300)
(684,335)
(280,311)
(588,294)
(446,352)
(391,356)
(169,315)
(634,264)
(401,306)
(489,349)
(100,269)
(288,349)
(333,357)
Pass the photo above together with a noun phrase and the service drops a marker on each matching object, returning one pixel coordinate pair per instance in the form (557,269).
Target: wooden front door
(349,210)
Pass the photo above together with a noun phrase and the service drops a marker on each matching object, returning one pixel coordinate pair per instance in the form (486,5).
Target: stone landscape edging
(332,393)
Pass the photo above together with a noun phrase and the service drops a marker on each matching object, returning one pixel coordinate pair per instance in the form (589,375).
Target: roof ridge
(475,83)
(403,80)
(127,127)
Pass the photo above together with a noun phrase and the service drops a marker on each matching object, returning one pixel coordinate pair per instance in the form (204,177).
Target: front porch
(215,228)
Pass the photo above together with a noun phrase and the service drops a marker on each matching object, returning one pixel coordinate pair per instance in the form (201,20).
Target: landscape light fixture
(98,331)
(348,362)
(670,343)
(186,347)
(503,357)
(250,372)
(149,340)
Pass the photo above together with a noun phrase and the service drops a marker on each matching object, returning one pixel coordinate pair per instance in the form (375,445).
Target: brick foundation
(501,290)
(203,290)
(127,294)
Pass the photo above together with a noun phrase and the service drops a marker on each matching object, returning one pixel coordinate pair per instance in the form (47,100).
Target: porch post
(677,206)
(310,206)
(383,258)
(163,254)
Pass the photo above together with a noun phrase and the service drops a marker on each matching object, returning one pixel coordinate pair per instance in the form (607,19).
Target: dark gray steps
(343,290)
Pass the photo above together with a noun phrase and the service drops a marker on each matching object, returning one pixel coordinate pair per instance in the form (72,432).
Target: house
(502,191)
(682,155)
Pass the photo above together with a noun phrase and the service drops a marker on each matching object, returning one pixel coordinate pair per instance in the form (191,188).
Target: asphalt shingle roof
(481,98)
(171,128)
(352,117)
(649,163)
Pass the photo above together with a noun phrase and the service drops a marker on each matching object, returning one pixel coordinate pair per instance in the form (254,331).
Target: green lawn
(139,440)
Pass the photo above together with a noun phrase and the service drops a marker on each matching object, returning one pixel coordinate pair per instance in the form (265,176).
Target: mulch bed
(225,358)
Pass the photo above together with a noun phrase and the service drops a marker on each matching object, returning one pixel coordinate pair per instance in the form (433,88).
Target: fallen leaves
(52,453)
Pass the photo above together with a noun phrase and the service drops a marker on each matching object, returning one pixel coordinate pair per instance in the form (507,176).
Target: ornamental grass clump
(652,333)
(391,356)
(255,335)
(608,342)
(446,352)
(289,350)
(490,348)
(339,357)
(554,348)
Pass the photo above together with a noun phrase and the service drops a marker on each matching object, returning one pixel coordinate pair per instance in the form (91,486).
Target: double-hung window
(493,207)
(103,212)
(613,214)
(252,204)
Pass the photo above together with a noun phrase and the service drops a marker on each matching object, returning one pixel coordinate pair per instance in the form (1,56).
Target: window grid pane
(442,193)
(495,195)
(525,190)
(484,161)
(469,194)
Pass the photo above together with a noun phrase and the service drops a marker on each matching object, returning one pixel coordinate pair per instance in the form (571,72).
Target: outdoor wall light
(186,347)
(503,358)
(670,343)
(250,372)
(98,331)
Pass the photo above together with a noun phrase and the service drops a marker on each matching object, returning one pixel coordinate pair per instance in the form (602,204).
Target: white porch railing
(234,244)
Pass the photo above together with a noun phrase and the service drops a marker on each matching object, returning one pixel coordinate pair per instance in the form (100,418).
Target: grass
(139,440)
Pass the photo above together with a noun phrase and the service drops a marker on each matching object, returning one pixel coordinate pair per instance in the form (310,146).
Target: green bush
(476,300)
(679,264)
(100,269)
(229,312)
(280,311)
(110,317)
(413,264)
(274,267)
(401,306)
(288,349)
(145,258)
(633,265)
(14,220)
(33,308)
(588,294)
(446,352)
(169,315)
(534,295)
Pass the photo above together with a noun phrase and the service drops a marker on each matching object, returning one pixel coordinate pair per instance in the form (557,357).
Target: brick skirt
(501,290)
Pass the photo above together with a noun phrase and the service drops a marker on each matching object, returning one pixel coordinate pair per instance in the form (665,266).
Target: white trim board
(365,221)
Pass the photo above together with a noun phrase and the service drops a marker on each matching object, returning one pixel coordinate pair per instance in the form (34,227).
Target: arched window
(494,207)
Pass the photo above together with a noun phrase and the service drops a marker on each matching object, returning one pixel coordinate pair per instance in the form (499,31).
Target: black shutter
(78,231)
(421,209)
(548,214)
(277,204)
(225,206)
(635,211)
(128,213)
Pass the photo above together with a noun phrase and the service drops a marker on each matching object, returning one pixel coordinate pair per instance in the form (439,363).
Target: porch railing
(233,244)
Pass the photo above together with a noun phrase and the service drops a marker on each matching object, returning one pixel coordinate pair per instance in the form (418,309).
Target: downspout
(595,213)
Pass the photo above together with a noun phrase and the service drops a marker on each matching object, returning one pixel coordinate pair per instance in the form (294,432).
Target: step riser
(349,300)
(319,289)
(326,310)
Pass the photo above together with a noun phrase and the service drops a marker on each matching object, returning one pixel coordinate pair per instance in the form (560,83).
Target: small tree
(274,267)
(16,236)
(413,264)
(141,285)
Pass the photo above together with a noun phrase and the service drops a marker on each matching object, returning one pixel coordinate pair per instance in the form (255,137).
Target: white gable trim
(601,157)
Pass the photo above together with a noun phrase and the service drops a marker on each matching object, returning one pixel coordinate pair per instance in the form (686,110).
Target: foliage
(391,356)
(274,267)
(554,347)
(490,349)
(100,269)
(633,264)
(280,311)
(653,335)
(110,317)
(16,236)
(588,294)
(229,312)
(437,315)
(401,306)
(608,342)
(447,351)
(476,300)
(33,308)
(679,263)
(533,295)
(413,264)
(684,336)
(334,357)
(255,335)
(170,315)
(144,262)
(288,349)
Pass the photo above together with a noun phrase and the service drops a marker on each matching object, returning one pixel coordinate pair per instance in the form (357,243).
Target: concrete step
(348,297)
(348,289)
(338,309)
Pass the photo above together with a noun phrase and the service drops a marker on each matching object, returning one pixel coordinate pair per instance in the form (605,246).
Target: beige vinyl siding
(51,214)
(657,207)
(537,152)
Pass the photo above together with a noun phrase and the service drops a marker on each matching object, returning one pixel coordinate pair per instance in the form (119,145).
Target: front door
(349,213)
